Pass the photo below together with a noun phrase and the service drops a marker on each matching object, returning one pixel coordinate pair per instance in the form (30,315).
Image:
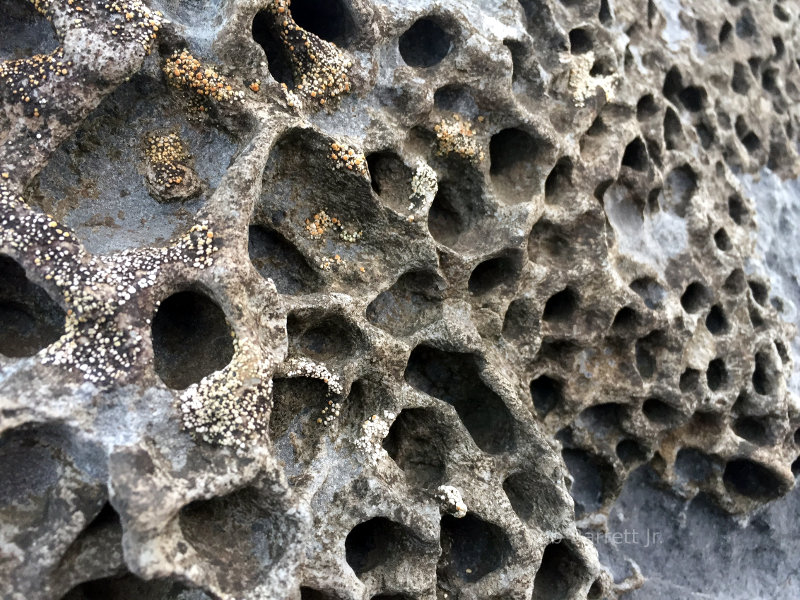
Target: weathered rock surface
(392,299)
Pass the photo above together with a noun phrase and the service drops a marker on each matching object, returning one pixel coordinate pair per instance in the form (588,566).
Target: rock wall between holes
(359,300)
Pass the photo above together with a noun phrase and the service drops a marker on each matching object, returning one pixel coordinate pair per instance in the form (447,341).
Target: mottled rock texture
(355,299)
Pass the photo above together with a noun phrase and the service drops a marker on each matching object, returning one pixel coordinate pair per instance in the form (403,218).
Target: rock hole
(493,273)
(601,420)
(625,321)
(631,452)
(519,322)
(659,412)
(456,99)
(191,339)
(277,259)
(128,586)
(753,430)
(561,307)
(725,33)
(752,480)
(240,527)
(454,214)
(412,303)
(560,573)
(650,291)
(549,242)
(780,13)
(416,442)
(265,36)
(716,321)
(559,181)
(513,155)
(746,24)
(722,240)
(329,20)
(453,377)
(294,397)
(717,375)
(635,156)
(705,134)
(645,360)
(646,107)
(589,474)
(547,393)
(604,15)
(680,187)
(695,297)
(425,43)
(740,83)
(783,353)
(749,139)
(532,496)
(765,374)
(693,98)
(29,319)
(673,84)
(580,41)
(693,466)
(471,549)
(759,291)
(390,178)
(673,132)
(602,67)
(307,593)
(689,380)
(319,335)
(735,283)
(375,542)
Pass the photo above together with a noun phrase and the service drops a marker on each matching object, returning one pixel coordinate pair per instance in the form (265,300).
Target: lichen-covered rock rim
(357,300)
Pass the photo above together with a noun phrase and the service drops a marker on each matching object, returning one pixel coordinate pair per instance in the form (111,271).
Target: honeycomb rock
(376,299)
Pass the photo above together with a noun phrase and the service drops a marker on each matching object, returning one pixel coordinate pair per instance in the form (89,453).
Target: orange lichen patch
(456,136)
(319,68)
(184,71)
(348,158)
(321,223)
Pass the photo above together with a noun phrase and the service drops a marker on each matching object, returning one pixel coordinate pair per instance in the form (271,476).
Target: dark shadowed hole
(560,307)
(425,44)
(765,374)
(596,591)
(291,398)
(695,297)
(454,213)
(413,302)
(319,336)
(645,359)
(307,593)
(706,134)
(736,209)
(329,20)
(692,98)
(725,33)
(716,321)
(689,380)
(266,36)
(780,13)
(471,549)
(453,377)
(513,155)
(416,443)
(580,41)
(520,322)
(631,452)
(29,319)
(760,292)
(560,573)
(650,291)
(390,178)
(679,189)
(549,242)
(559,181)
(275,258)
(547,393)
(796,467)
(533,496)
(625,321)
(692,465)
(589,474)
(455,99)
(635,155)
(602,419)
(605,13)
(722,240)
(673,84)
(746,24)
(646,107)
(492,273)
(752,480)
(673,131)
(128,587)
(735,283)
(191,339)
(753,430)
(740,83)
(659,412)
(717,374)
(375,542)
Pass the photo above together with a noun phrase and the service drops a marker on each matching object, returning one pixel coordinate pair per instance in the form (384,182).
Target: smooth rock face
(421,300)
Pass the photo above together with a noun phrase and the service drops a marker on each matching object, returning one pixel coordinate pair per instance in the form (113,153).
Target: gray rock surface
(393,299)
